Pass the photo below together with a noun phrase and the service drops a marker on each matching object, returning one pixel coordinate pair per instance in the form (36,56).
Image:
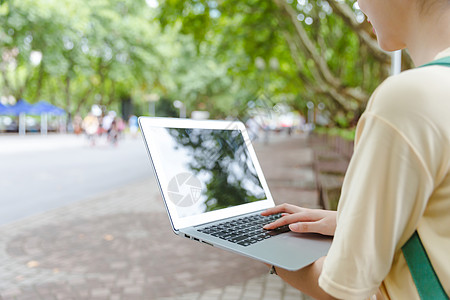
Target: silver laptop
(214,191)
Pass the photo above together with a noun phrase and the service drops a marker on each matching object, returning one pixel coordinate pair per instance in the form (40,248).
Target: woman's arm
(306,279)
(304,220)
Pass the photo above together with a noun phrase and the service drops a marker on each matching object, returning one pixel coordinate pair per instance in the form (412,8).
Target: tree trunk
(326,81)
(68,104)
(39,82)
(83,99)
(6,83)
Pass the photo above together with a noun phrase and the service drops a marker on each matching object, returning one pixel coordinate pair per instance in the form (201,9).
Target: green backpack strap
(445,61)
(422,272)
(426,280)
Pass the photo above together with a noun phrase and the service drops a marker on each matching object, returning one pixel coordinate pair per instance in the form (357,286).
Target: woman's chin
(390,47)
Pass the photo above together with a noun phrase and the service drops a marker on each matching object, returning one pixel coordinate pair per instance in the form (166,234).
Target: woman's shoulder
(419,89)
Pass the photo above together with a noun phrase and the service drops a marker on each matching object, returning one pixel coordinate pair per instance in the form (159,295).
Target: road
(39,173)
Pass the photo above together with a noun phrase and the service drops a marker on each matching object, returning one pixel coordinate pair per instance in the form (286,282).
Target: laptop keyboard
(245,231)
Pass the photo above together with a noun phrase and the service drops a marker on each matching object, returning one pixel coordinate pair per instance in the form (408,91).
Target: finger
(288,219)
(306,215)
(303,227)
(275,210)
(283,208)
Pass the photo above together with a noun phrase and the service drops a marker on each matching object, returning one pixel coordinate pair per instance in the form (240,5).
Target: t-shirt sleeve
(383,196)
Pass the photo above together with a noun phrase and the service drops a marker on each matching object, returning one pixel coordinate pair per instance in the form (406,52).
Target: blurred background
(174,57)
(76,74)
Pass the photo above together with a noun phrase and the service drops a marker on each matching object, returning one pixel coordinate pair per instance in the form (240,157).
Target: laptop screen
(206,169)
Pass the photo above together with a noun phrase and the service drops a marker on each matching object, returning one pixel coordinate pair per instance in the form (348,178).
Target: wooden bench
(331,158)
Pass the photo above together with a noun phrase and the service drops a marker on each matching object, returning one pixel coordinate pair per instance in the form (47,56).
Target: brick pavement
(119,245)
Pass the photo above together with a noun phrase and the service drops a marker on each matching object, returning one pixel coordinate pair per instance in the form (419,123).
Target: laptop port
(207,243)
(196,239)
(185,235)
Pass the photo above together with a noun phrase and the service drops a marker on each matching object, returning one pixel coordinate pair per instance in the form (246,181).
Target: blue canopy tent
(6,110)
(21,108)
(44,109)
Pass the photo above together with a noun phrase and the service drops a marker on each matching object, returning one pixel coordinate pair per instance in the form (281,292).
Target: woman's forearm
(306,279)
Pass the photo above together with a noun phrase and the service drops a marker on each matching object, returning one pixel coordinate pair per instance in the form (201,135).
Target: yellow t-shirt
(398,180)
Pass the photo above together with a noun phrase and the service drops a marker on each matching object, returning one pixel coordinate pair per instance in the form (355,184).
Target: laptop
(214,191)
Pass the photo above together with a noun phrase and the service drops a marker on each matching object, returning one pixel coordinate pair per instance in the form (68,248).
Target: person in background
(77,124)
(107,122)
(133,125)
(113,132)
(91,126)
(398,180)
(120,125)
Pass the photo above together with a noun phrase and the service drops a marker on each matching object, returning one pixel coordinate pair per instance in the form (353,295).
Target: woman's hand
(303,219)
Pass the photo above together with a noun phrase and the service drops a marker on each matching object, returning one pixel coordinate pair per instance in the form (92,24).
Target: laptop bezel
(146,123)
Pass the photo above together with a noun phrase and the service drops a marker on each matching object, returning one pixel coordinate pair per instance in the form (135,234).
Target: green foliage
(212,55)
(251,39)
(347,134)
(99,52)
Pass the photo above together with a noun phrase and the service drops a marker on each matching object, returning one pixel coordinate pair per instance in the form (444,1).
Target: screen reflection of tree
(224,156)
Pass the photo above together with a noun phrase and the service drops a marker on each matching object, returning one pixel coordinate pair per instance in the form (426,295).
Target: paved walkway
(13,143)
(119,245)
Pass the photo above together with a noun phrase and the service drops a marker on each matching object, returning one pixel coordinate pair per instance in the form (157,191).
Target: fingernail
(294,227)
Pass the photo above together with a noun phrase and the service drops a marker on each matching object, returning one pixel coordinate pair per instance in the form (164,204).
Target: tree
(103,52)
(324,51)
(212,55)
